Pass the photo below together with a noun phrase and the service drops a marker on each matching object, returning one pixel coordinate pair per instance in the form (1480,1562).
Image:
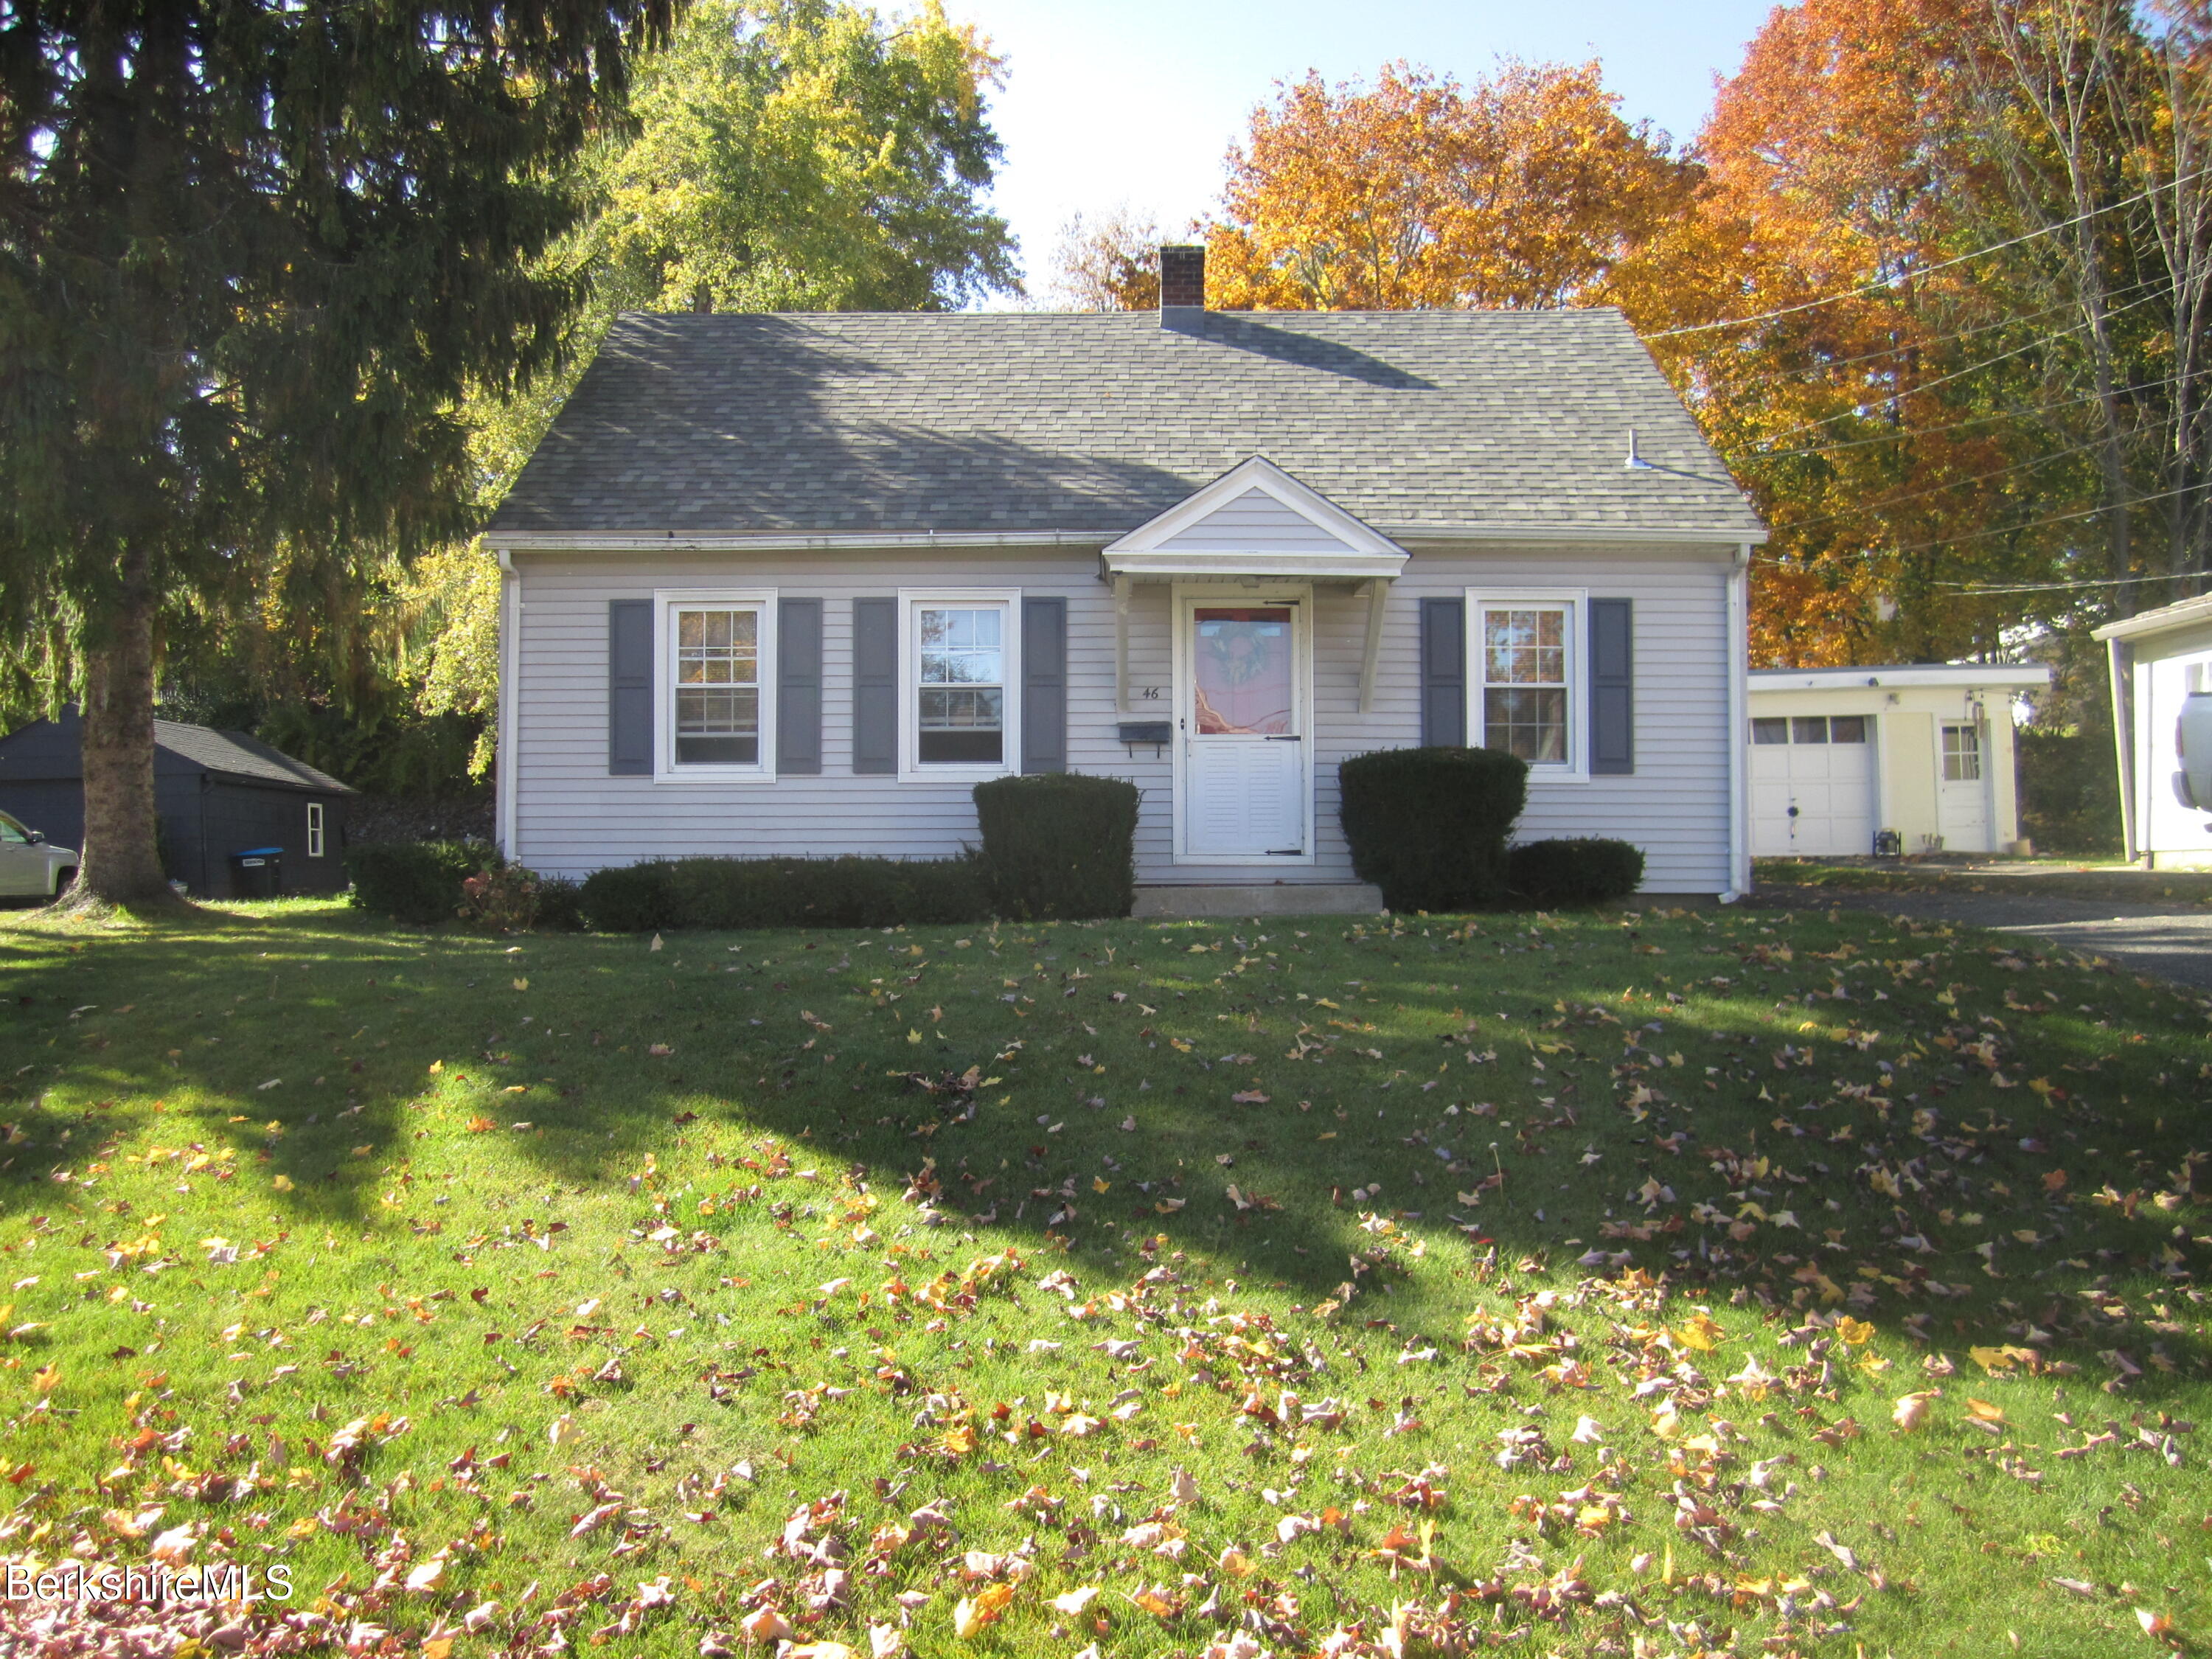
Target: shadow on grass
(1688,1095)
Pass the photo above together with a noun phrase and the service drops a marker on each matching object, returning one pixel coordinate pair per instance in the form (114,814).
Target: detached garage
(1924,752)
(218,795)
(2160,659)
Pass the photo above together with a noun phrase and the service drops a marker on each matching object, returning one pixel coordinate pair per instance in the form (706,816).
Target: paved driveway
(2156,939)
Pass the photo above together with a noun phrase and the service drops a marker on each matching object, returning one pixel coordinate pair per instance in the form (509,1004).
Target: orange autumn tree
(1522,190)
(1873,403)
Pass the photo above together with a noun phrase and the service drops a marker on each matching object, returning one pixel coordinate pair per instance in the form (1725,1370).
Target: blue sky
(1108,100)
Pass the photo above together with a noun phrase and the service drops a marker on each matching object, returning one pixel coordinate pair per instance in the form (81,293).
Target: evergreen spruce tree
(252,256)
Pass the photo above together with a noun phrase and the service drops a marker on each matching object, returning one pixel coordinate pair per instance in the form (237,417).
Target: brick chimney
(1183,278)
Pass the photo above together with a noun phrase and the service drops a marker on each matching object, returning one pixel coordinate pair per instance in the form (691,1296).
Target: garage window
(1962,754)
(1810,729)
(314,829)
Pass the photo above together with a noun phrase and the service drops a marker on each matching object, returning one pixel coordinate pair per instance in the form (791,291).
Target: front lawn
(1696,1282)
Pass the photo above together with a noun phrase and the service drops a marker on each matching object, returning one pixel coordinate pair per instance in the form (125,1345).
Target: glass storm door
(1245,774)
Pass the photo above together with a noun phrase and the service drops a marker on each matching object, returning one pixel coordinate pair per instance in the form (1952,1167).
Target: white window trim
(1576,600)
(913,599)
(666,602)
(315,833)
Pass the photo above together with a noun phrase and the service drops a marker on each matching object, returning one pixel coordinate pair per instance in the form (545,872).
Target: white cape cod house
(794,584)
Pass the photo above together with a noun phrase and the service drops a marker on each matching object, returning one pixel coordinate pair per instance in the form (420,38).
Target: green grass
(274,1173)
(2043,877)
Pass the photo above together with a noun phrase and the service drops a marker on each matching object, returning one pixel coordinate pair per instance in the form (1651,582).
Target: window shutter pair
(1609,682)
(630,688)
(799,686)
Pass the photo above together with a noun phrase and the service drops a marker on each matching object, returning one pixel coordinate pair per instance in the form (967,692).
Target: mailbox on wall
(2192,741)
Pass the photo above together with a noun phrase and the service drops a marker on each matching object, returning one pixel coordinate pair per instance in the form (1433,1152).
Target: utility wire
(1948,484)
(1971,420)
(1956,374)
(2056,587)
(1998,529)
(1929,270)
(1968,334)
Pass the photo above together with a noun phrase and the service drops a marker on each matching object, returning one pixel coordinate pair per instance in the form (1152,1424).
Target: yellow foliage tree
(1526,189)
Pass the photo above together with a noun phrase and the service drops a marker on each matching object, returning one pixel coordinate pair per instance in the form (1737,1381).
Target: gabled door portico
(1242,555)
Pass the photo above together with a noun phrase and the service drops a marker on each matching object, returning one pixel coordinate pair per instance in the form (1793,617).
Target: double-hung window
(314,830)
(958,702)
(714,661)
(1523,691)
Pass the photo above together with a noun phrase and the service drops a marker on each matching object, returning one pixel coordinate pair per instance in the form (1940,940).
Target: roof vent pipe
(1634,463)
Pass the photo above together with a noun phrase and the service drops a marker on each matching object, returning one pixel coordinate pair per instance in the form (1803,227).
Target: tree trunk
(120,864)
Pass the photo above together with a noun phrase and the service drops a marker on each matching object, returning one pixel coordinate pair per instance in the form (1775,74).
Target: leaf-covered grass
(1297,1287)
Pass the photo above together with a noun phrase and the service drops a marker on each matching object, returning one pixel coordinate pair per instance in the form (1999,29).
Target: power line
(2003,530)
(1937,489)
(2056,587)
(1963,258)
(1956,374)
(1971,420)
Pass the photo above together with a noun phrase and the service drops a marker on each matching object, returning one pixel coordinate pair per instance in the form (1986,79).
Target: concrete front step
(1179,899)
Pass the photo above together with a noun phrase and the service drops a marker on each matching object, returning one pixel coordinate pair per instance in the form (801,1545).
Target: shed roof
(50,750)
(1021,423)
(241,756)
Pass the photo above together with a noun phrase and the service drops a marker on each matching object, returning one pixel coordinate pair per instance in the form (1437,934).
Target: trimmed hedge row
(1582,870)
(416,881)
(784,892)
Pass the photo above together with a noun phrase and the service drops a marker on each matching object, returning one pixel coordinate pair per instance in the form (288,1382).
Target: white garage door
(1811,785)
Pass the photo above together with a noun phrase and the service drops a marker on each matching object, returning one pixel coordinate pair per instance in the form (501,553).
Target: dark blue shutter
(1044,685)
(875,685)
(798,686)
(1613,688)
(629,688)
(1443,673)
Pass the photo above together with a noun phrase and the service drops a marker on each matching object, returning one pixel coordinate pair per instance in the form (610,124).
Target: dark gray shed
(217,792)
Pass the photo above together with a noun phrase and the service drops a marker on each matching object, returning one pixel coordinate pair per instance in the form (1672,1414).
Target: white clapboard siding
(1255,519)
(571,817)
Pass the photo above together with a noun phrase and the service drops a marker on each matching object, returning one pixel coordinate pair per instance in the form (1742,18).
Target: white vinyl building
(2157,659)
(1923,751)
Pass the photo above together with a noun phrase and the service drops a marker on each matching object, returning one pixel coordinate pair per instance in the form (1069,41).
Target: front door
(1963,800)
(1246,775)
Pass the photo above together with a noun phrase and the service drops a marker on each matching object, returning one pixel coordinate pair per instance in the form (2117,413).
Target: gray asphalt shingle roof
(847,423)
(241,756)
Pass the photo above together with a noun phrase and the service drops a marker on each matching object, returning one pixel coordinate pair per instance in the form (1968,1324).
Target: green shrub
(1585,870)
(501,898)
(560,905)
(1059,845)
(1428,826)
(627,898)
(784,892)
(416,881)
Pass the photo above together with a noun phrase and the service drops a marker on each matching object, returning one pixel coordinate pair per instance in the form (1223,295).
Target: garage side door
(1812,785)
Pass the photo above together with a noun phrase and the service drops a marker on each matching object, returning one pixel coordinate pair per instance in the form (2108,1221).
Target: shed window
(314,829)
(1962,754)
